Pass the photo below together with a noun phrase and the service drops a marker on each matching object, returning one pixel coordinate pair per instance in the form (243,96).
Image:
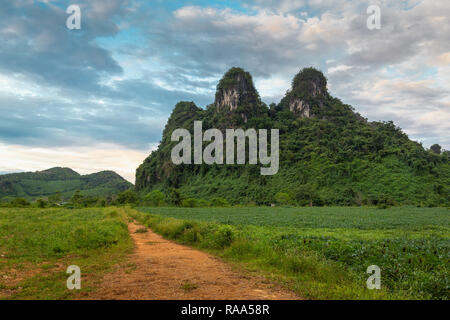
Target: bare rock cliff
(308,87)
(236,92)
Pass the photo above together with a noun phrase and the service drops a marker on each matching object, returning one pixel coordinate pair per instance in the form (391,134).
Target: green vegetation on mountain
(329,154)
(60,183)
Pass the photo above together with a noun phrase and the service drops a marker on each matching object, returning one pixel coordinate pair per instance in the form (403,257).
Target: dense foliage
(333,156)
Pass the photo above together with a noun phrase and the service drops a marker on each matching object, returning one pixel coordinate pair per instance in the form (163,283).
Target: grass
(323,252)
(188,286)
(37,246)
(141,230)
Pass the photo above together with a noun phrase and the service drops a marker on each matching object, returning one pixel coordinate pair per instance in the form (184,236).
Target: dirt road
(163,270)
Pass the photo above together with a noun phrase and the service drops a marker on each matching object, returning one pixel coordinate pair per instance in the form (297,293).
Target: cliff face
(309,89)
(300,107)
(236,93)
(229,98)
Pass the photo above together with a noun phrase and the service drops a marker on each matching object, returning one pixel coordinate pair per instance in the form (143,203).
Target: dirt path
(163,270)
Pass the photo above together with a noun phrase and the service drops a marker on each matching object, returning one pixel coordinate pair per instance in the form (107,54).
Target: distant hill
(65,181)
(329,154)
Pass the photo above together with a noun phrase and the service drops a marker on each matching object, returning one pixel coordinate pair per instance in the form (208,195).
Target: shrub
(20,202)
(283,198)
(189,203)
(155,198)
(127,197)
(385,202)
(174,197)
(55,198)
(194,203)
(41,203)
(219,202)
(307,195)
(203,203)
(224,236)
(77,200)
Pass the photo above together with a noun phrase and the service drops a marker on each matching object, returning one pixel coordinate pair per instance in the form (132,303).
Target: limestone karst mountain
(329,154)
(236,92)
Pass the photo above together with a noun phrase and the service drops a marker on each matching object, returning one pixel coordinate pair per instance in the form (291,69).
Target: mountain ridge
(66,181)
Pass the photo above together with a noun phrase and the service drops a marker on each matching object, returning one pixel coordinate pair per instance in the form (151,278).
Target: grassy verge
(305,271)
(410,245)
(37,246)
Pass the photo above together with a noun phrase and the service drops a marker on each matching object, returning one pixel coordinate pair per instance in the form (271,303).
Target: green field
(320,253)
(37,246)
(324,252)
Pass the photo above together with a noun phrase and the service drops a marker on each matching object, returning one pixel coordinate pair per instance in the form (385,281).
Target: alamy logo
(374,281)
(374,20)
(74,281)
(213,153)
(74,20)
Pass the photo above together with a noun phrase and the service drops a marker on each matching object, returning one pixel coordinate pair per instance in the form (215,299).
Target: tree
(189,203)
(77,198)
(41,203)
(155,198)
(219,202)
(436,148)
(307,195)
(20,202)
(55,198)
(174,197)
(101,202)
(127,197)
(283,198)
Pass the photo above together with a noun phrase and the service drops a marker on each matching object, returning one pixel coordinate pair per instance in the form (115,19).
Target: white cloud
(397,73)
(339,68)
(84,160)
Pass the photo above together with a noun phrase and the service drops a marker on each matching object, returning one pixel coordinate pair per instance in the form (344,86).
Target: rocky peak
(236,90)
(310,82)
(308,87)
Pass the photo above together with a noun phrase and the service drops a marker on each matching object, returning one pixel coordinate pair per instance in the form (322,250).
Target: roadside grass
(37,246)
(188,286)
(323,253)
(141,230)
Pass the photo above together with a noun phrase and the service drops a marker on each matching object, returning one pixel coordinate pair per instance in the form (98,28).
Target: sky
(99,97)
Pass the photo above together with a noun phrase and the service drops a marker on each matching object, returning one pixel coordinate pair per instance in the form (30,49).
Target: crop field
(37,246)
(324,252)
(320,253)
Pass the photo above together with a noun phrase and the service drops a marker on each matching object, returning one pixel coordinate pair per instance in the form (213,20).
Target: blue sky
(98,98)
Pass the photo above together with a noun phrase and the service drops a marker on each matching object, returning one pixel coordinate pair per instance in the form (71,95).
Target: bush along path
(159,269)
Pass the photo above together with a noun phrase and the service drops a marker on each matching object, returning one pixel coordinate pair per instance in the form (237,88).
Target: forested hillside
(62,181)
(329,154)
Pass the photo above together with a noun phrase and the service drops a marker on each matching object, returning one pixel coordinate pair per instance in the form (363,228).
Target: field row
(410,245)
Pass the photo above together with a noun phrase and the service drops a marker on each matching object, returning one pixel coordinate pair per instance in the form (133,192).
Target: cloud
(86,160)
(339,68)
(35,42)
(416,106)
(116,81)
